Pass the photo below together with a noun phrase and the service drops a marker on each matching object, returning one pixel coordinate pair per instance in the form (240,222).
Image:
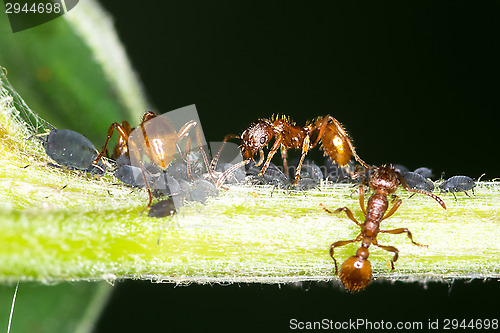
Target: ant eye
(262,140)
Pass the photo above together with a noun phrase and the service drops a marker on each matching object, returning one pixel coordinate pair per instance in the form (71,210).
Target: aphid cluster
(421,179)
(142,158)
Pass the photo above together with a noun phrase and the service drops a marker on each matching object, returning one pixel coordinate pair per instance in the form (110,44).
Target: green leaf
(65,307)
(73,71)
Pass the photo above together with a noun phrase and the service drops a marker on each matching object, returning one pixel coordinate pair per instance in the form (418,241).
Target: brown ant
(157,140)
(334,140)
(356,271)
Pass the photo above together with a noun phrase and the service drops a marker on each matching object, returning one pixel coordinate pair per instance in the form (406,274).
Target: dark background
(414,82)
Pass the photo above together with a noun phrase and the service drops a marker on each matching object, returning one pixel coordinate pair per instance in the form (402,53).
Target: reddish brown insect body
(356,272)
(325,130)
(157,140)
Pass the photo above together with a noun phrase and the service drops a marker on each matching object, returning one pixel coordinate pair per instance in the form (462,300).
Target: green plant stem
(60,225)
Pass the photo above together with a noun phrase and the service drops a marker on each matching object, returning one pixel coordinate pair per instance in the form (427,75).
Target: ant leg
(261,158)
(273,151)
(199,140)
(401,231)
(285,162)
(305,148)
(362,198)
(215,160)
(147,187)
(121,131)
(348,212)
(188,165)
(393,209)
(229,171)
(338,244)
(136,155)
(184,131)
(389,249)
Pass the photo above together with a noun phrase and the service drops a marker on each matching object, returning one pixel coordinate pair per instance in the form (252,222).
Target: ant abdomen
(356,273)
(335,146)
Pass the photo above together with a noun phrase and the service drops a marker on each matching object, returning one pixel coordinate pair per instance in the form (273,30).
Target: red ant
(157,140)
(356,271)
(327,130)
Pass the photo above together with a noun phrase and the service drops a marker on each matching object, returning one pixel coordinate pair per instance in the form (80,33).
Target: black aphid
(458,184)
(72,150)
(163,208)
(424,172)
(416,181)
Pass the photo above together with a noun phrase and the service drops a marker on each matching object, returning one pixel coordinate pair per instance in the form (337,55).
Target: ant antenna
(433,196)
(229,171)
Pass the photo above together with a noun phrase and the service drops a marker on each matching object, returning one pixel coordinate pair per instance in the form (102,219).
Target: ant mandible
(157,140)
(356,271)
(334,140)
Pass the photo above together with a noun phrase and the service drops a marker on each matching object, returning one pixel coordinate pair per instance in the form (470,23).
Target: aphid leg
(454,196)
(389,249)
(121,131)
(39,135)
(273,150)
(338,244)
(401,231)
(466,193)
(215,160)
(394,208)
(305,148)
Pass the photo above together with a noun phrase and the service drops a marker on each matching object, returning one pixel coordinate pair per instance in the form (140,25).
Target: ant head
(356,271)
(384,177)
(255,137)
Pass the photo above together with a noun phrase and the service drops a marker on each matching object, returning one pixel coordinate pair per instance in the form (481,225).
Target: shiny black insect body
(72,150)
(132,176)
(163,208)
(418,182)
(458,184)
(424,172)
